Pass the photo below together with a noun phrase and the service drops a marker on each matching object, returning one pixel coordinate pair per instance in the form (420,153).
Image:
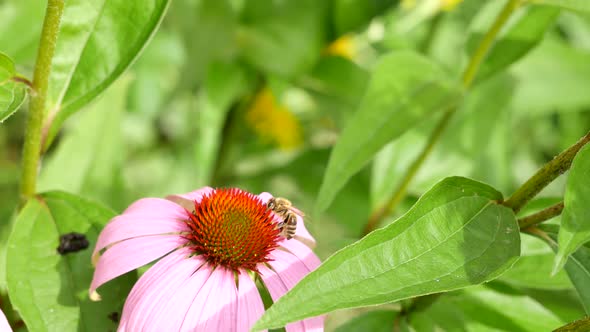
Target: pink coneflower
(4,326)
(214,243)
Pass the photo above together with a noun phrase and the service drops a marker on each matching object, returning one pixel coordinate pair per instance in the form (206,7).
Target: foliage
(418,136)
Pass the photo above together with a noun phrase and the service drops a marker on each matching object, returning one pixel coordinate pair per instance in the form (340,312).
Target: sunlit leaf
(456,235)
(97,41)
(575,219)
(581,6)
(12,93)
(405,89)
(49,290)
(96,141)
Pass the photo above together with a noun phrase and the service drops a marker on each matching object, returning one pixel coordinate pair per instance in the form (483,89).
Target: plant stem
(468,76)
(545,175)
(402,188)
(539,217)
(486,43)
(32,145)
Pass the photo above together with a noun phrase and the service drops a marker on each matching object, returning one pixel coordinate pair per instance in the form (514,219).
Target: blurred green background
(253,94)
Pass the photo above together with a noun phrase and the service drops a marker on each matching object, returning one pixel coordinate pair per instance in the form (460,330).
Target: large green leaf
(582,6)
(273,38)
(12,93)
(521,37)
(575,219)
(50,291)
(97,41)
(455,236)
(405,89)
(96,141)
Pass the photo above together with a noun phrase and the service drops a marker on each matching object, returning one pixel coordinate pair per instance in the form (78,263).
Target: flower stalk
(32,144)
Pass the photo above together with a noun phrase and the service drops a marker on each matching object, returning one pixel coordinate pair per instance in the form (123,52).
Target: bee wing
(297,211)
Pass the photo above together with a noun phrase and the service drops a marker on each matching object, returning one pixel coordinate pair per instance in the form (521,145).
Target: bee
(284,209)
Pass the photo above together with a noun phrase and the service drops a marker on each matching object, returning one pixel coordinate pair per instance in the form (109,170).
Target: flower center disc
(233,228)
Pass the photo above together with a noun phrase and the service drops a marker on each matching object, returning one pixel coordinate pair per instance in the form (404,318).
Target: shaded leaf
(50,291)
(405,89)
(521,37)
(350,15)
(533,269)
(581,6)
(455,235)
(577,266)
(375,321)
(224,83)
(97,41)
(575,219)
(505,311)
(273,38)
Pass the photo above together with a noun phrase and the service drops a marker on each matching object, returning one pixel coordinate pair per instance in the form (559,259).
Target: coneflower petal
(250,307)
(133,225)
(129,255)
(154,299)
(150,279)
(303,252)
(215,302)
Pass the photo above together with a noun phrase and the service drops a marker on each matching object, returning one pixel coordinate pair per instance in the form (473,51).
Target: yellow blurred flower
(449,4)
(343,46)
(274,123)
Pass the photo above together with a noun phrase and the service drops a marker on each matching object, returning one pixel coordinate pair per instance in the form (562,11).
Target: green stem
(539,217)
(468,76)
(411,172)
(486,43)
(545,175)
(32,145)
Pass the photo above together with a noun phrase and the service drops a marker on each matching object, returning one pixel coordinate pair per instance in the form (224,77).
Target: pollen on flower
(233,228)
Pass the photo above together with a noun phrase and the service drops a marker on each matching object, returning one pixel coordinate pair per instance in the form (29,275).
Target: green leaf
(582,6)
(405,89)
(522,37)
(374,321)
(12,93)
(224,84)
(567,93)
(97,41)
(273,38)
(505,311)
(453,237)
(533,269)
(50,291)
(96,141)
(577,326)
(350,15)
(575,219)
(577,266)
